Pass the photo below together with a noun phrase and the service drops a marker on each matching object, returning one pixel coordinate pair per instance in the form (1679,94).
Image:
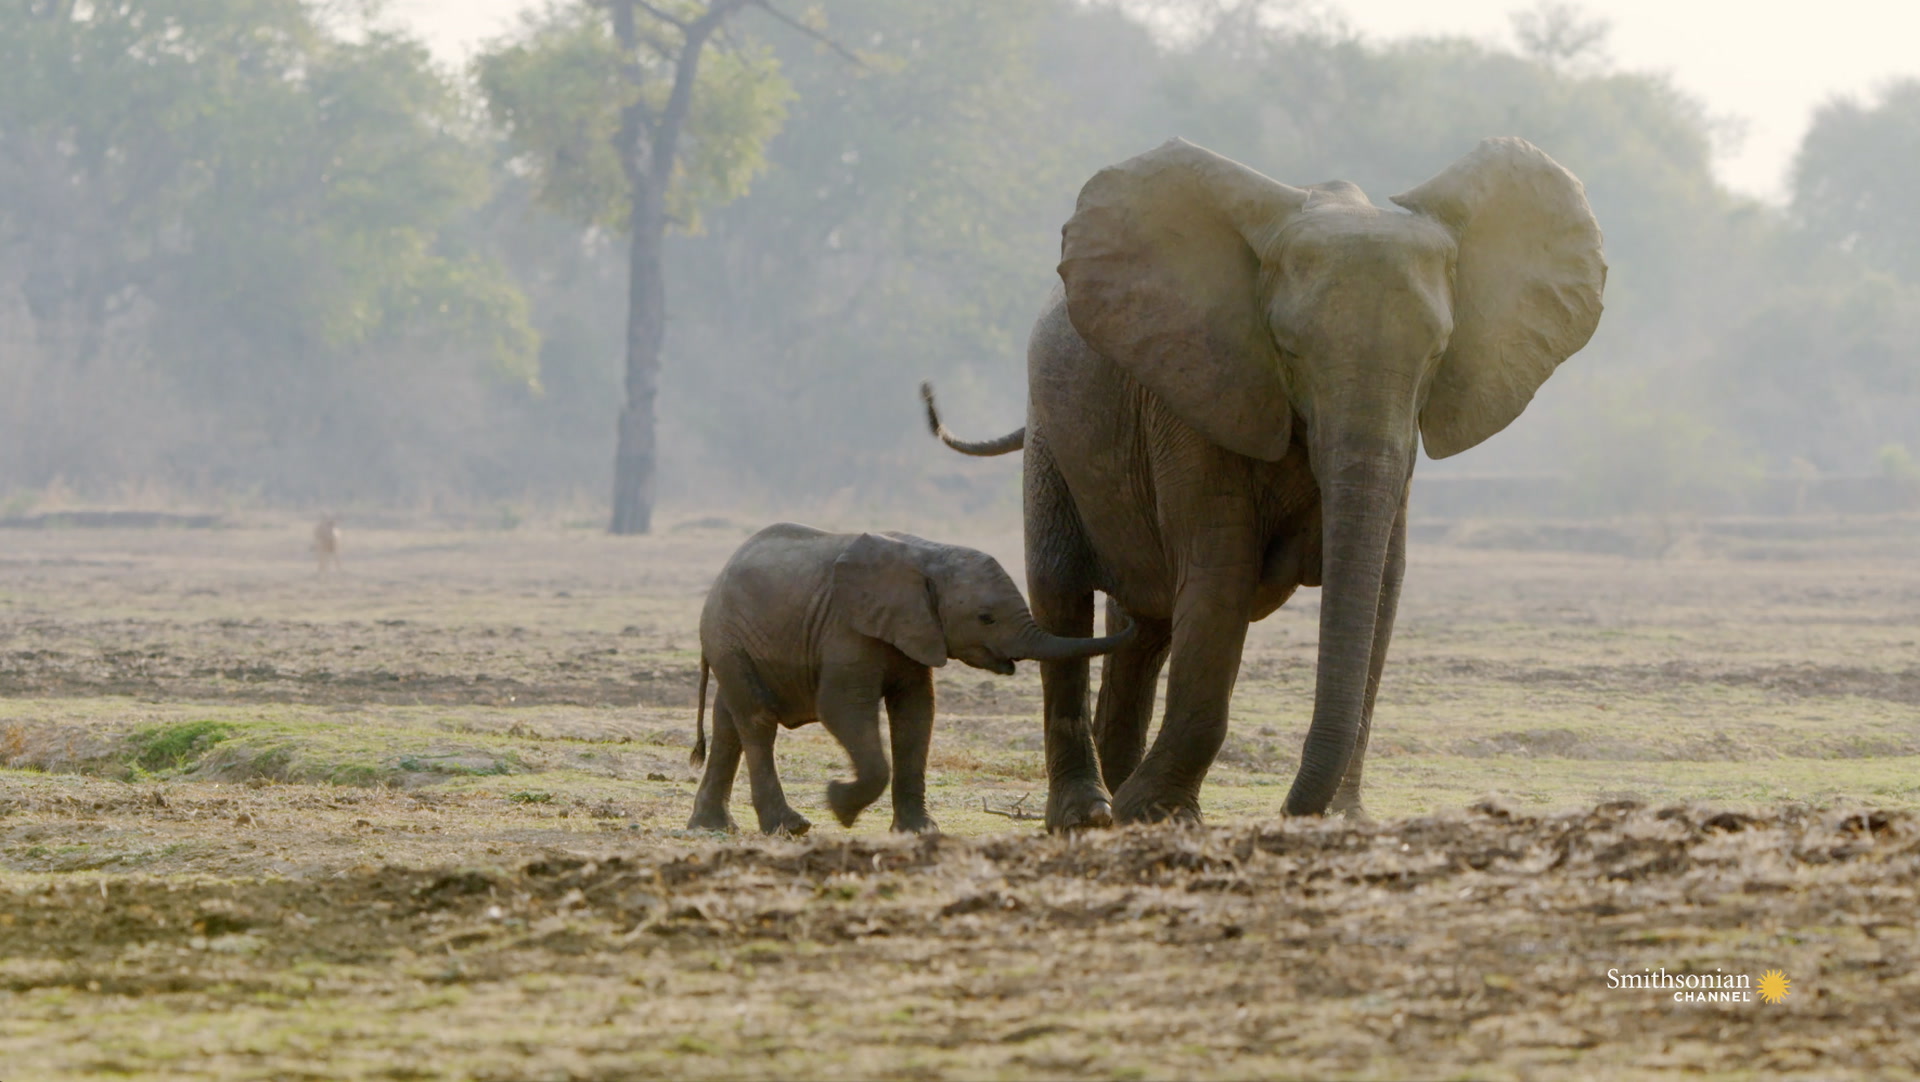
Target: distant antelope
(326,543)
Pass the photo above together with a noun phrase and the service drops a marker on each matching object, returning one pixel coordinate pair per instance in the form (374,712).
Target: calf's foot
(914,821)
(849,798)
(784,820)
(712,819)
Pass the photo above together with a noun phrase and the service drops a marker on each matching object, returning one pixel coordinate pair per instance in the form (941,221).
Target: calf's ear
(879,584)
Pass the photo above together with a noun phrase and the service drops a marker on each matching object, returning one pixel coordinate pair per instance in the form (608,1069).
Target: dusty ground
(421,819)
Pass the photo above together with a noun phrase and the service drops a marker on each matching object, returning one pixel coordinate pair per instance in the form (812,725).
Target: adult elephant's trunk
(1362,488)
(1032,644)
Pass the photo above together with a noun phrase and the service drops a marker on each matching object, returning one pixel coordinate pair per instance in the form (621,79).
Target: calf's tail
(699,755)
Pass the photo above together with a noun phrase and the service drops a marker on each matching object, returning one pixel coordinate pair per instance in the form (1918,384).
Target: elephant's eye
(986,618)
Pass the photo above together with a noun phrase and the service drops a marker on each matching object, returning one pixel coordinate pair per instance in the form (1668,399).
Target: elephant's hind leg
(716,784)
(754,716)
(1060,593)
(769,799)
(1125,707)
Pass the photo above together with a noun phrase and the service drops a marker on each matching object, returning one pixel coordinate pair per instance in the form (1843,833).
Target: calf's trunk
(1031,643)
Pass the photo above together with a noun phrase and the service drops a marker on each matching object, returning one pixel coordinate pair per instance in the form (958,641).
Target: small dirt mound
(1476,944)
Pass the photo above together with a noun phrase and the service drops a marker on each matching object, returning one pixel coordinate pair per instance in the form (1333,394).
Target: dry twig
(1018,809)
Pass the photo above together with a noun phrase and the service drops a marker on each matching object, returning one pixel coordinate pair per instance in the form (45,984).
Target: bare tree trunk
(649,145)
(634,463)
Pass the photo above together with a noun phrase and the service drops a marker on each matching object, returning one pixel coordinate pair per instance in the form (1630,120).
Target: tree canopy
(249,247)
(1853,178)
(557,91)
(259,224)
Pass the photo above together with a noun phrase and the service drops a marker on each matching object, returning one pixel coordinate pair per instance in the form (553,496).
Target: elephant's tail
(699,755)
(1012,441)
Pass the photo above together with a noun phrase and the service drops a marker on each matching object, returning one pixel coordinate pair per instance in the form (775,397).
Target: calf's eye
(986,618)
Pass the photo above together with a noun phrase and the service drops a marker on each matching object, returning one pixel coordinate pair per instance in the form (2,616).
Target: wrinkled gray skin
(803,625)
(1223,403)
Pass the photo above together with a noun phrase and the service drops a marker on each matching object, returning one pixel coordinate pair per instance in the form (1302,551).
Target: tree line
(260,250)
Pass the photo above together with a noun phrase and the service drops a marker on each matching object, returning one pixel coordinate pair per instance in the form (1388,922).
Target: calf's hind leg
(769,799)
(754,715)
(716,783)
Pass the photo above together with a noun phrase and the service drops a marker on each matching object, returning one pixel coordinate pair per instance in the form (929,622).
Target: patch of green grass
(693,1046)
(175,747)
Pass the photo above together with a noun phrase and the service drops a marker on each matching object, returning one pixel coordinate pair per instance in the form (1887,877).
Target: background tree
(232,253)
(907,228)
(601,105)
(1557,33)
(1853,178)
(249,252)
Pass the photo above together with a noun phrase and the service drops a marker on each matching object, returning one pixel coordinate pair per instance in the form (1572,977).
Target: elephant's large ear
(1162,275)
(879,585)
(1526,288)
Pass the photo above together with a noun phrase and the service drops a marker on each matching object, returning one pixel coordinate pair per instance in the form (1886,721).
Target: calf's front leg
(910,725)
(849,706)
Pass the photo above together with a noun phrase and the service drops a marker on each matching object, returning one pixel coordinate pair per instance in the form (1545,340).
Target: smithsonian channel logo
(1772,986)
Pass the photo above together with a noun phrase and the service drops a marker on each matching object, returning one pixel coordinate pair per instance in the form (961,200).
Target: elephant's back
(769,587)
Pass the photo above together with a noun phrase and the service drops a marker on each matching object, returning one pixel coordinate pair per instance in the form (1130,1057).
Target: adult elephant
(1222,407)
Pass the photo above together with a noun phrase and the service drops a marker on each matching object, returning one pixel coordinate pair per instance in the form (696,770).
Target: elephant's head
(1251,308)
(935,601)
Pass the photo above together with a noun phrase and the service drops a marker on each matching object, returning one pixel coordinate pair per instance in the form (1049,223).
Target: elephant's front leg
(1209,628)
(1124,710)
(910,725)
(1060,595)
(716,783)
(849,706)
(1076,799)
(1346,800)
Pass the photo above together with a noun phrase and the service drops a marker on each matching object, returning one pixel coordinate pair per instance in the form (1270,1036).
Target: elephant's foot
(1346,800)
(1351,811)
(1143,803)
(1079,804)
(914,822)
(715,818)
(847,800)
(785,821)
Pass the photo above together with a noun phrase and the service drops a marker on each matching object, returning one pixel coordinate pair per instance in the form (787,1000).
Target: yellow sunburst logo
(1775,986)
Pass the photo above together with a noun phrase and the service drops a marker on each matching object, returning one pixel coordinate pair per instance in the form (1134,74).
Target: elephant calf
(803,625)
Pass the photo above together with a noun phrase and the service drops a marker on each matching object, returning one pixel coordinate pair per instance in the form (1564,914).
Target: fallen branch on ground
(1017,810)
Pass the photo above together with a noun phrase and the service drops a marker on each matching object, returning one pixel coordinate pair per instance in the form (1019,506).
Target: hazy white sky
(1764,63)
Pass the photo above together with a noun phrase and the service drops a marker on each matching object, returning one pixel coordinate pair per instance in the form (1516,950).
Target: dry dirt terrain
(421,819)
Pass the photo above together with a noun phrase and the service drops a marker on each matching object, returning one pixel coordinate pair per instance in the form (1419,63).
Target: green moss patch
(178,747)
